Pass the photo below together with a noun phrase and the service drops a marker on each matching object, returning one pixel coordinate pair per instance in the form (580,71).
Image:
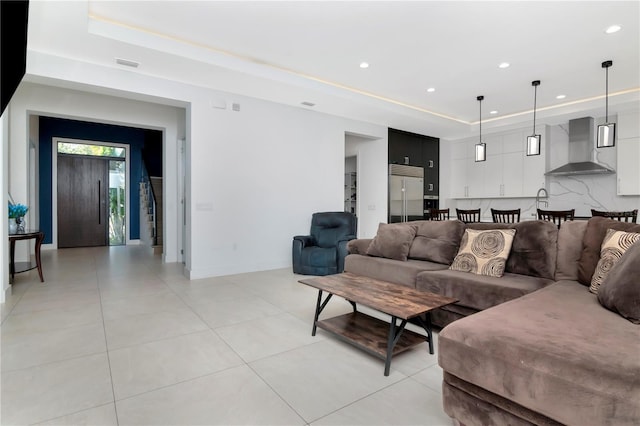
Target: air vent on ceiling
(127,62)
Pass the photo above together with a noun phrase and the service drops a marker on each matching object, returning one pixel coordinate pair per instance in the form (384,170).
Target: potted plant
(16,217)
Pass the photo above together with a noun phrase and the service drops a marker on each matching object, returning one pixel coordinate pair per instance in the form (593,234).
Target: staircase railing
(151,210)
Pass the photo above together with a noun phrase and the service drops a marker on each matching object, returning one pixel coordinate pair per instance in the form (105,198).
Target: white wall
(372,159)
(4,187)
(255,175)
(255,184)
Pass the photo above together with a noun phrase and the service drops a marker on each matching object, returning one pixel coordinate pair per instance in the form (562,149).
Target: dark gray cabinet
(418,150)
(431,160)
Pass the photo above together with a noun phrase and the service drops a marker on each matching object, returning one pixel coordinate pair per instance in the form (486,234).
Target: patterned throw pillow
(614,245)
(484,252)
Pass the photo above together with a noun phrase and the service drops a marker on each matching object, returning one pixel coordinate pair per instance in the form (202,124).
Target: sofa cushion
(359,245)
(569,249)
(534,247)
(392,241)
(437,241)
(614,245)
(389,270)
(555,351)
(594,234)
(479,291)
(620,290)
(484,252)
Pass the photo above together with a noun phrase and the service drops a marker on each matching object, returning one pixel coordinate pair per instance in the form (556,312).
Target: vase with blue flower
(16,217)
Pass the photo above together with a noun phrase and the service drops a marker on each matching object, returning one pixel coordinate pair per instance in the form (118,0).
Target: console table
(16,268)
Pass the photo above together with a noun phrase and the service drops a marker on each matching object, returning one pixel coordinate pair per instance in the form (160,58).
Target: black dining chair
(505,216)
(468,216)
(556,216)
(438,214)
(623,216)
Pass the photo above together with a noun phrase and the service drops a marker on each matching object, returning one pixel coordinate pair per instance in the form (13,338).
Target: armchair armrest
(305,240)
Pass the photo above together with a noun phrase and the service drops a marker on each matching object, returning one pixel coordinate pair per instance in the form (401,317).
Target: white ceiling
(296,51)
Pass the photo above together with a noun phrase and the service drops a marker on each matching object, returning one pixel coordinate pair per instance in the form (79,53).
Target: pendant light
(607,131)
(533,141)
(481,148)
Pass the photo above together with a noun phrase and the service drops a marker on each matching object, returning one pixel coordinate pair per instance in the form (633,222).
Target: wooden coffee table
(370,334)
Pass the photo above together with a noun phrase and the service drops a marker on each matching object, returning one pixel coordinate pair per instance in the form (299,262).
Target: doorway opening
(351,184)
(91,193)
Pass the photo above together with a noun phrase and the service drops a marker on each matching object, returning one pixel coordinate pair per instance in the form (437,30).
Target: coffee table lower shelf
(369,334)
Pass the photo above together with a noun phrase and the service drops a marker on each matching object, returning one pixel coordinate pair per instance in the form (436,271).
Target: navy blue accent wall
(56,127)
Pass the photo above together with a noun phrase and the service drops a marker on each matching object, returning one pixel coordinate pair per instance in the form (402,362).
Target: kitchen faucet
(538,201)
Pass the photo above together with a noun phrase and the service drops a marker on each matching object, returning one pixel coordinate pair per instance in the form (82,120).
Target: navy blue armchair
(323,252)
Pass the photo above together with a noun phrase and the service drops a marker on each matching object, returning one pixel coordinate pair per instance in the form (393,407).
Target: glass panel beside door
(117,194)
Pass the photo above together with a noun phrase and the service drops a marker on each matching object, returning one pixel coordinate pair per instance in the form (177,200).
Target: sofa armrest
(359,246)
(346,239)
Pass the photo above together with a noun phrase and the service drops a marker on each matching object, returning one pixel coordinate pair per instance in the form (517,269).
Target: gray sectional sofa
(533,346)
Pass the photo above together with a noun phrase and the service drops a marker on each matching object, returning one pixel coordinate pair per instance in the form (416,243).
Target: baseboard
(6,293)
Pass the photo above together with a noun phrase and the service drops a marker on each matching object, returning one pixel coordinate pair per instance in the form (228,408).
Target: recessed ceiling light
(364,64)
(504,65)
(561,96)
(494,112)
(613,29)
(431,89)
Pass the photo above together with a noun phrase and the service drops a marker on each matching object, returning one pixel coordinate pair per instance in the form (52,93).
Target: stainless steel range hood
(581,145)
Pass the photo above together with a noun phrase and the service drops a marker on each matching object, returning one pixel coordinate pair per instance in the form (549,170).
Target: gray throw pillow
(437,241)
(392,241)
(620,289)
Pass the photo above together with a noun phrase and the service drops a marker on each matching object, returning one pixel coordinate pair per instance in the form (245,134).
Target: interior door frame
(54,183)
(182,210)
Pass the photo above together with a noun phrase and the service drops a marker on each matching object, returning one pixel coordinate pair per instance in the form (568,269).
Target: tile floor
(114,336)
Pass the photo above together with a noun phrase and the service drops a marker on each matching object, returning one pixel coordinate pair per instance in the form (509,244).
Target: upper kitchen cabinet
(405,148)
(431,159)
(628,153)
(417,150)
(507,172)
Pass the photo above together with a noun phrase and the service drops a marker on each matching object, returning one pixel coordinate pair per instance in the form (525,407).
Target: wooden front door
(83,188)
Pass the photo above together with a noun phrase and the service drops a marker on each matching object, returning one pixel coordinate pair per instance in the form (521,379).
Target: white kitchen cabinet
(477,178)
(628,153)
(461,158)
(507,172)
(459,186)
(628,125)
(628,170)
(512,175)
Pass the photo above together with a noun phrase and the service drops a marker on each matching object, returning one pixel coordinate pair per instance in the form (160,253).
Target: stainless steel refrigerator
(406,193)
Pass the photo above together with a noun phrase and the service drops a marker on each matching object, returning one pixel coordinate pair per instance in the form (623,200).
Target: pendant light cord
(535,98)
(606,65)
(480,98)
(606,107)
(535,84)
(480,120)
